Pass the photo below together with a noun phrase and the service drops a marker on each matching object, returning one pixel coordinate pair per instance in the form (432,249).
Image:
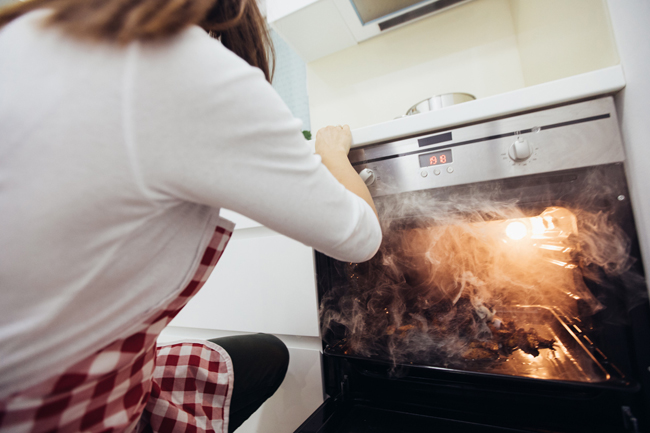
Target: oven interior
(509,305)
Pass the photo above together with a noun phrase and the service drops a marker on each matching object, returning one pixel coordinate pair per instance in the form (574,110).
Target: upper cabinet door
(314,31)
(277,9)
(317,28)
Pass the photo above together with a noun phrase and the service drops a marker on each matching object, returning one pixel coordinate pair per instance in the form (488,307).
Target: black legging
(260,363)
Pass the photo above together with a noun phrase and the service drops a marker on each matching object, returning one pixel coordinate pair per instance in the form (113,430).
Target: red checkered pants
(130,385)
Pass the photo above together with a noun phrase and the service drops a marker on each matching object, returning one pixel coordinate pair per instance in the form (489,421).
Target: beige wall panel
(471,48)
(560,38)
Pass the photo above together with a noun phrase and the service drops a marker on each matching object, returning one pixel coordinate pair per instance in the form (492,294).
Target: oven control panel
(572,136)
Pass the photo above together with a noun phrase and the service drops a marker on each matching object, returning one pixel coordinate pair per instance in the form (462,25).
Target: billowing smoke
(455,280)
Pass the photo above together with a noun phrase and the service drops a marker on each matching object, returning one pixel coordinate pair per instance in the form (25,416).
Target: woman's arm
(209,129)
(333,145)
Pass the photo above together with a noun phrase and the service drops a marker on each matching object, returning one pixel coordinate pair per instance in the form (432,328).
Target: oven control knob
(368,176)
(520,150)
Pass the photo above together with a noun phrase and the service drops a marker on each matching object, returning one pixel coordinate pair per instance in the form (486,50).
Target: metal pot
(439,101)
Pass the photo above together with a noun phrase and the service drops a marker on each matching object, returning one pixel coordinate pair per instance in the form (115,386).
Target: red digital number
(433,160)
(443,159)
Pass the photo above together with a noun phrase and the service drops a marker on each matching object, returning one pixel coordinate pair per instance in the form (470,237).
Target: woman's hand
(333,139)
(333,145)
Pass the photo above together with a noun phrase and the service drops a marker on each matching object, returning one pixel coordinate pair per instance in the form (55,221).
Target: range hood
(318,28)
(391,13)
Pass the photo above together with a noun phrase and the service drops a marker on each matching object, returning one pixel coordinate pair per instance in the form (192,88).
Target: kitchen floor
(299,395)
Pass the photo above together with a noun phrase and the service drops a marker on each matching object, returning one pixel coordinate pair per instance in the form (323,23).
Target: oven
(508,293)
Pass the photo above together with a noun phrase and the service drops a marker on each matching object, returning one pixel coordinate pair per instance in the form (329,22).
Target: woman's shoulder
(193,60)
(19,28)
(193,44)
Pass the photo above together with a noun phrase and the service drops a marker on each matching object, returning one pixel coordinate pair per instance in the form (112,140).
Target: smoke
(450,269)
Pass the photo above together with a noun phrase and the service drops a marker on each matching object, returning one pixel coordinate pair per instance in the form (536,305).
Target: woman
(124,129)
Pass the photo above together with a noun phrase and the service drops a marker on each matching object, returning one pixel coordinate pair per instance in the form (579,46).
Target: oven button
(520,150)
(368,176)
(424,173)
(450,169)
(436,172)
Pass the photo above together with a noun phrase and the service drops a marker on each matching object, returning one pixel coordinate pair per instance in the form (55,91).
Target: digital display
(435,158)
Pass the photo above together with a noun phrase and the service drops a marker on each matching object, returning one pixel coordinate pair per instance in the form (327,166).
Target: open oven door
(336,416)
(374,397)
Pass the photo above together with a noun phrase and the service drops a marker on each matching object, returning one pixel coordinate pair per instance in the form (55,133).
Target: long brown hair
(237,23)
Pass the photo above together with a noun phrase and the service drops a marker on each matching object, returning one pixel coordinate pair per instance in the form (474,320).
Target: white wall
(484,47)
(630,20)
(264,283)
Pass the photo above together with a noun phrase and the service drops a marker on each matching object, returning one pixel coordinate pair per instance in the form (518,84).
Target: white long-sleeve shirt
(114,163)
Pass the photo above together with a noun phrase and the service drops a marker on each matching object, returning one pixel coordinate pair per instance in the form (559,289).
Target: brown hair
(237,23)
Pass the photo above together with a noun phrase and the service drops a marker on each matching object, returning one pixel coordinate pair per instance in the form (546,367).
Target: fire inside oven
(475,284)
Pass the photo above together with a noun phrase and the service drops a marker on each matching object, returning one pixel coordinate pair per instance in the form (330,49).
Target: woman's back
(114,162)
(84,244)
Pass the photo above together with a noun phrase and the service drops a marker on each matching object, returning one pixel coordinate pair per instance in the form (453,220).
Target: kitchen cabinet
(278,9)
(314,31)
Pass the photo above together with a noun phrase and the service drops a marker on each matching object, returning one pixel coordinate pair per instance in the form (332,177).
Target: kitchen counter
(600,82)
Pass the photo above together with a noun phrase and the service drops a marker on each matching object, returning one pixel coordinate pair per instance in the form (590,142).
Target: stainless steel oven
(508,293)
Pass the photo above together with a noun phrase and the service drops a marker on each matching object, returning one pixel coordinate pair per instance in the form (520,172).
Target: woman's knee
(276,354)
(262,355)
(276,348)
